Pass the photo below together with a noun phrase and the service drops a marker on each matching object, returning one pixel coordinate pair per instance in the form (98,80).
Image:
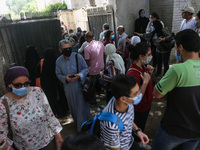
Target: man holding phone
(67,73)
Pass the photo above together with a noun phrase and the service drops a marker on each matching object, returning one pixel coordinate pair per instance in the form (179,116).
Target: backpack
(93,125)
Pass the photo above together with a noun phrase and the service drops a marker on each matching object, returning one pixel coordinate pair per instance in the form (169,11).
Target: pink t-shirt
(94,52)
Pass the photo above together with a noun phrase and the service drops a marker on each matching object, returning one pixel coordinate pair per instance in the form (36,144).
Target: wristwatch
(136,131)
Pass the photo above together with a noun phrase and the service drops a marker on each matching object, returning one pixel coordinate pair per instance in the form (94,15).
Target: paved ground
(155,115)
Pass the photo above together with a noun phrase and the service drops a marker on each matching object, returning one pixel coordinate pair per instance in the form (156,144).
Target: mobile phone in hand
(72,76)
(2,142)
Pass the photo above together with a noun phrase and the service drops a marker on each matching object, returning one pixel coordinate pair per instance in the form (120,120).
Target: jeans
(162,58)
(164,141)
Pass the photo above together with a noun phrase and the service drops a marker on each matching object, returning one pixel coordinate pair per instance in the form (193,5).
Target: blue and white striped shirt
(109,132)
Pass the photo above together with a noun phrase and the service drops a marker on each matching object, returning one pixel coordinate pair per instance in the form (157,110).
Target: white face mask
(147,61)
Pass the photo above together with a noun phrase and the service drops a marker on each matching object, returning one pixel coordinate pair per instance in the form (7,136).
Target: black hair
(107,36)
(155,15)
(81,40)
(137,50)
(141,11)
(64,34)
(106,26)
(158,28)
(198,14)
(189,39)
(75,38)
(82,141)
(70,30)
(122,84)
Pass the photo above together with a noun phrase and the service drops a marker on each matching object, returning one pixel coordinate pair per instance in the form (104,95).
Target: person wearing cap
(26,111)
(188,19)
(102,34)
(181,120)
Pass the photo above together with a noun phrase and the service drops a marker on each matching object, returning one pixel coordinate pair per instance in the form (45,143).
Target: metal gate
(98,16)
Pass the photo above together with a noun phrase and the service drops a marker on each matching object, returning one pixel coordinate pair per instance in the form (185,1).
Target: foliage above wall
(55,7)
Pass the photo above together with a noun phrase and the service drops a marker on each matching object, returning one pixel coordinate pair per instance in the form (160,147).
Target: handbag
(87,86)
(168,45)
(10,133)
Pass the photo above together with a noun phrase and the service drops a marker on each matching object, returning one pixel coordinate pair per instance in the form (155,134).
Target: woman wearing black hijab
(158,37)
(31,60)
(50,83)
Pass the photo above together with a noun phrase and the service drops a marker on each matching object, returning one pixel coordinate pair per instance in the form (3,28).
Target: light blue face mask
(112,37)
(142,15)
(195,24)
(21,91)
(147,61)
(72,44)
(179,59)
(136,100)
(150,19)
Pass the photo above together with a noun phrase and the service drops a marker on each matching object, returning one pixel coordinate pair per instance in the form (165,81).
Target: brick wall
(169,11)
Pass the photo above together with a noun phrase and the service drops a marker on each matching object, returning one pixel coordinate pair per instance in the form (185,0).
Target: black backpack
(93,125)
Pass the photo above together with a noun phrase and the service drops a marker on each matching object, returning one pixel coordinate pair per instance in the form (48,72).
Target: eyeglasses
(19,85)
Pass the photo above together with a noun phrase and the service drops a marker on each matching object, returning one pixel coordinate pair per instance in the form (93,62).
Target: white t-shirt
(188,25)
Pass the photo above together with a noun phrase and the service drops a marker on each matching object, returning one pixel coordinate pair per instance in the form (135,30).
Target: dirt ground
(155,115)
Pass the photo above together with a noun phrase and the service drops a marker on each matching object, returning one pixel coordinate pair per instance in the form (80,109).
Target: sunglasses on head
(19,85)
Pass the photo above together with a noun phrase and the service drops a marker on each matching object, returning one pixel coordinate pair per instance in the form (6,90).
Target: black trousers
(140,119)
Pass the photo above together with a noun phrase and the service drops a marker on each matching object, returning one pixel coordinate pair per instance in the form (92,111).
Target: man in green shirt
(180,124)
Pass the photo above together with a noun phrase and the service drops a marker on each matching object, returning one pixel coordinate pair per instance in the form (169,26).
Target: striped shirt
(110,134)
(111,71)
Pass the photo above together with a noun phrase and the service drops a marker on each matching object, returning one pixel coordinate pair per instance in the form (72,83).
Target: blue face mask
(150,19)
(72,44)
(195,24)
(112,37)
(21,91)
(136,100)
(179,59)
(152,28)
(142,15)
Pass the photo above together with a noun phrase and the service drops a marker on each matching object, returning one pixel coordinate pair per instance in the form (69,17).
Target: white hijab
(135,40)
(110,51)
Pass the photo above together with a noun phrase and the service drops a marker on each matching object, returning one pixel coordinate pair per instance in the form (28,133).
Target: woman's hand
(59,140)
(150,69)
(59,143)
(138,34)
(146,77)
(4,144)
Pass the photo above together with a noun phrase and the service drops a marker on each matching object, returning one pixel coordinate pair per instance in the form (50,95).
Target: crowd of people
(46,89)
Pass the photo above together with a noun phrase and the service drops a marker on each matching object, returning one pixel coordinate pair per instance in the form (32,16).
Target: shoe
(145,146)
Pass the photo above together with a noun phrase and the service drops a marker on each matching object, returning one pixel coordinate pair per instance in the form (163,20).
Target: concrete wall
(127,12)
(164,8)
(74,18)
(3,68)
